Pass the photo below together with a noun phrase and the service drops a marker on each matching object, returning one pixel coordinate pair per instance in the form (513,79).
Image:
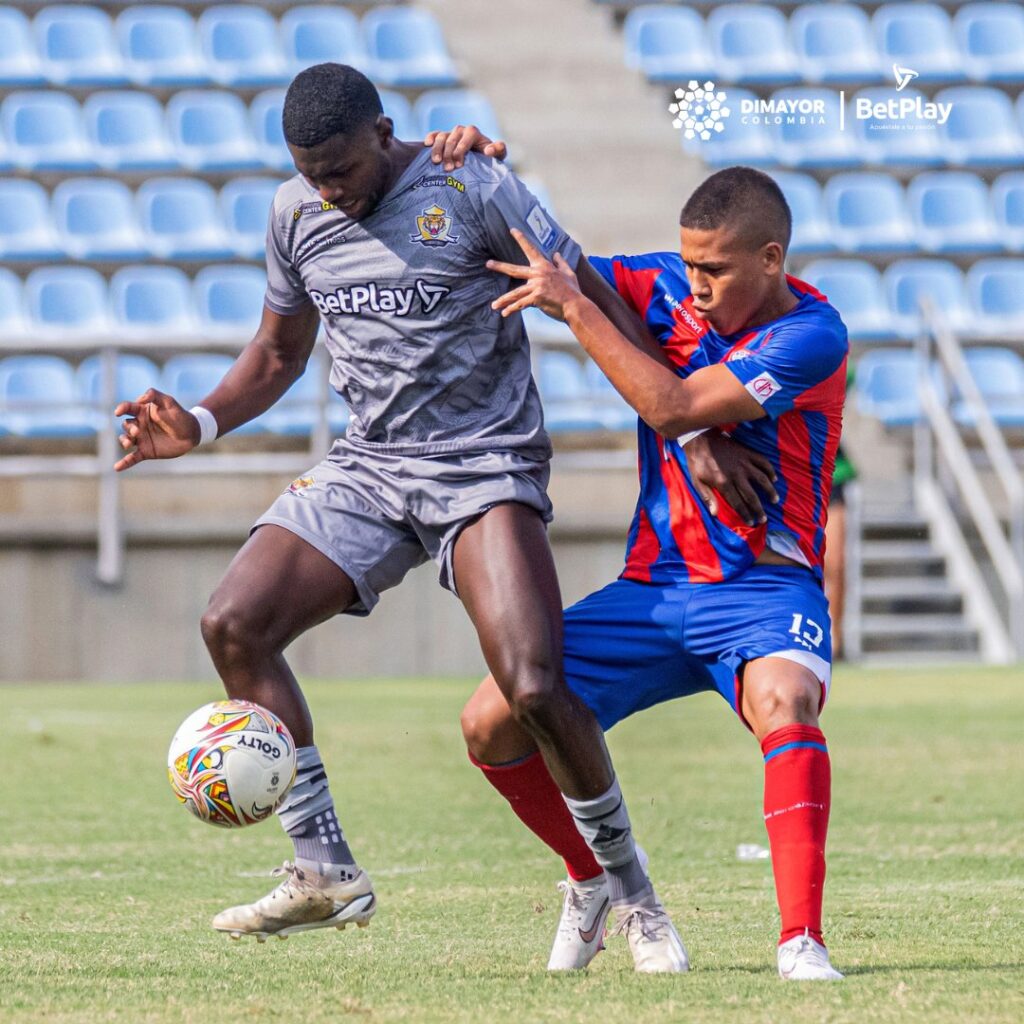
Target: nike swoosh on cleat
(591,933)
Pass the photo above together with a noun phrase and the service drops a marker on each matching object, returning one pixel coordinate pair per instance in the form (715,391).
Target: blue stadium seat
(812,234)
(180,219)
(126,131)
(399,109)
(738,143)
(907,282)
(854,287)
(564,393)
(867,213)
(19,61)
(991,40)
(917,146)
(887,386)
(812,139)
(297,412)
(76,46)
(833,43)
(134,376)
(750,45)
(952,213)
(159,46)
(407,48)
(210,131)
(615,412)
(229,300)
(668,44)
(245,206)
(995,291)
(1008,203)
(65,302)
(241,46)
(13,328)
(313,35)
(265,119)
(981,130)
(26,230)
(443,108)
(999,375)
(38,399)
(44,132)
(151,304)
(918,36)
(95,219)
(191,377)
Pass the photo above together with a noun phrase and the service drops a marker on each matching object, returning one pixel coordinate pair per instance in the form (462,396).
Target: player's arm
(159,427)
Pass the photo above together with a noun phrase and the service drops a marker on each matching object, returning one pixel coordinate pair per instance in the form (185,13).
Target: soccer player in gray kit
(445,457)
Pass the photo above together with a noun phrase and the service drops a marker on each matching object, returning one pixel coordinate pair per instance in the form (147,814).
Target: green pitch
(107,885)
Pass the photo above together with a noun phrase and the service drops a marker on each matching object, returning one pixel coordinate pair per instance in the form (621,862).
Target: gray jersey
(424,363)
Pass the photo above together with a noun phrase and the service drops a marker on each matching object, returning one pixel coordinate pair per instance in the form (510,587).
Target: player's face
(350,170)
(731,283)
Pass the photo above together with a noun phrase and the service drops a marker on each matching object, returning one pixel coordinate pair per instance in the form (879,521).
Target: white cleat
(303,901)
(580,935)
(803,959)
(653,940)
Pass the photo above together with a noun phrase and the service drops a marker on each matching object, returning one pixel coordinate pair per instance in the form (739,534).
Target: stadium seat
(952,213)
(564,393)
(991,41)
(95,219)
(151,304)
(134,375)
(241,46)
(854,287)
(191,377)
(833,43)
(229,301)
(44,132)
(981,130)
(313,35)
(180,219)
(126,131)
(210,131)
(667,44)
(77,47)
(917,146)
(918,36)
(995,293)
(887,386)
(245,206)
(159,47)
(265,120)
(1008,203)
(811,232)
(67,302)
(19,61)
(297,412)
(615,412)
(999,375)
(407,48)
(812,139)
(13,328)
(739,143)
(26,230)
(750,45)
(38,399)
(399,109)
(907,282)
(443,108)
(867,213)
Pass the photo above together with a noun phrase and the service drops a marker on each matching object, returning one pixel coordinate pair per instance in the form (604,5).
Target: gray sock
(308,816)
(604,824)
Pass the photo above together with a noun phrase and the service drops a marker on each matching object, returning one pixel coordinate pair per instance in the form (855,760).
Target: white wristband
(207,424)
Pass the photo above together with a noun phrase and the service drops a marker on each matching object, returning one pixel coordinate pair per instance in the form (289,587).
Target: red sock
(531,792)
(797,798)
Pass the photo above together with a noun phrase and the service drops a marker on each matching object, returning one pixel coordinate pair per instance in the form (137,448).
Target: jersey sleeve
(633,276)
(286,294)
(505,203)
(799,366)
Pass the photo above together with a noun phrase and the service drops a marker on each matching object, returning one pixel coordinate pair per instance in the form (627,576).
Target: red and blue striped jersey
(795,367)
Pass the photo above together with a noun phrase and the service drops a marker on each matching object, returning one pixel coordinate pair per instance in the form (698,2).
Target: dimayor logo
(699,110)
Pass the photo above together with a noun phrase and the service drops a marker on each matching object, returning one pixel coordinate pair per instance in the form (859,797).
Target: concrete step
(903,595)
(894,526)
(916,633)
(901,558)
(918,658)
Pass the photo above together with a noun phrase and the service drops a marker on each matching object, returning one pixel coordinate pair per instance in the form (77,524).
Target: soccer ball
(231,763)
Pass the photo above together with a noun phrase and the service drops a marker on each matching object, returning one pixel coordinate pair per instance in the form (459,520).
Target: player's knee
(535,702)
(781,703)
(483,731)
(230,631)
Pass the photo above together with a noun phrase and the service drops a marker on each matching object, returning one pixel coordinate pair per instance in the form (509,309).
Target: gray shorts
(378,515)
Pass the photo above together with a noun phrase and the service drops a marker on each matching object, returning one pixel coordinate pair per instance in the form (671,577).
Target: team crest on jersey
(434,227)
(300,484)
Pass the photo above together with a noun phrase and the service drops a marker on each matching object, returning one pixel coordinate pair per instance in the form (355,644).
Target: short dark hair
(745,199)
(327,100)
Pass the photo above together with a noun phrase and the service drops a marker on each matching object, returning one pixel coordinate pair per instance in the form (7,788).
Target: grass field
(107,886)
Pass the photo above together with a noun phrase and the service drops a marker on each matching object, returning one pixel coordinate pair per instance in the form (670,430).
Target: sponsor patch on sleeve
(763,386)
(541,226)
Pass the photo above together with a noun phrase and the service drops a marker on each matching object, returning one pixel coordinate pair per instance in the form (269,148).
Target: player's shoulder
(482,170)
(293,196)
(815,318)
(669,263)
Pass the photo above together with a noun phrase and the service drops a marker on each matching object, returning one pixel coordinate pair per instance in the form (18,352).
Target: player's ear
(385,129)
(773,257)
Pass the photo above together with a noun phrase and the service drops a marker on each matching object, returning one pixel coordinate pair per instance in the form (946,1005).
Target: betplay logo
(900,110)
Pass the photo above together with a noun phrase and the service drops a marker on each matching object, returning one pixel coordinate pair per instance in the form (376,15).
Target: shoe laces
(295,881)
(648,923)
(811,952)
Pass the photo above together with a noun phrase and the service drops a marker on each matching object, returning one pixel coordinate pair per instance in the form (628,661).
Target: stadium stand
(241,46)
(159,47)
(181,219)
(95,220)
(26,230)
(66,301)
(151,304)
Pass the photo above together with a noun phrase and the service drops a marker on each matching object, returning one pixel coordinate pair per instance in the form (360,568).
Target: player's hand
(737,474)
(157,428)
(450,148)
(549,286)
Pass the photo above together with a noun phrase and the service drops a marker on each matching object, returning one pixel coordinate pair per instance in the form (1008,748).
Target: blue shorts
(633,645)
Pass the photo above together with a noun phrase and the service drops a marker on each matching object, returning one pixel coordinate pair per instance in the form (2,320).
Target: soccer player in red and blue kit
(704,602)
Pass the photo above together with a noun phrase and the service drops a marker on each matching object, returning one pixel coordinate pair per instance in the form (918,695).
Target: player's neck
(780,302)
(400,156)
